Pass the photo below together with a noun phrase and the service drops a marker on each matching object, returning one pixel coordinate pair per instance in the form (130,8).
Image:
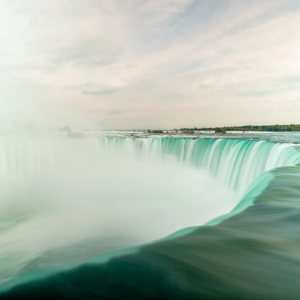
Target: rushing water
(214,216)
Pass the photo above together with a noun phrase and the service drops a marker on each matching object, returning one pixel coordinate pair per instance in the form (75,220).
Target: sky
(157,64)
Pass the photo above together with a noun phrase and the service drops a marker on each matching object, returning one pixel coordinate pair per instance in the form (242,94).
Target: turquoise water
(249,251)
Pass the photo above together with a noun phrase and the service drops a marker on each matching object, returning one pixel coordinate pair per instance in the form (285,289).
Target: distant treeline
(291,127)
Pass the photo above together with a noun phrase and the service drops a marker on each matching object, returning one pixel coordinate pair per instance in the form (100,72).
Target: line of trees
(291,127)
(155,131)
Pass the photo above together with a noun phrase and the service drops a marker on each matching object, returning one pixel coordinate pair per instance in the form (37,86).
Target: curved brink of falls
(249,252)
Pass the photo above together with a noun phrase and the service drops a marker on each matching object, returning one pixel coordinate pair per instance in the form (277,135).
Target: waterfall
(79,198)
(235,162)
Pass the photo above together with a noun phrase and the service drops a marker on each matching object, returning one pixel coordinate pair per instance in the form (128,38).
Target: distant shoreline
(272,128)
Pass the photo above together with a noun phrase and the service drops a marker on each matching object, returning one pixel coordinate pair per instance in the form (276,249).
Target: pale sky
(150,64)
